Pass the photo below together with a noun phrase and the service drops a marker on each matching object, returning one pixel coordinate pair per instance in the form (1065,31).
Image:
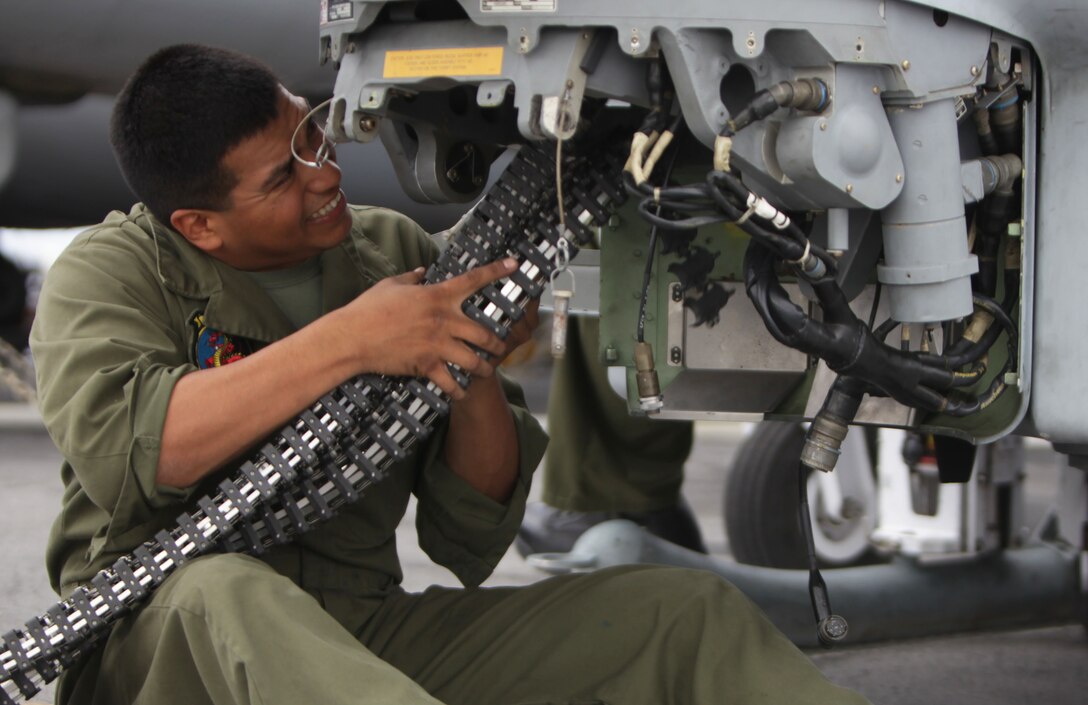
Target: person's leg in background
(602,462)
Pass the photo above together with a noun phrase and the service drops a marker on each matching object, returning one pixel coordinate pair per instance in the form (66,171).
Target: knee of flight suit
(704,599)
(208,584)
(692,583)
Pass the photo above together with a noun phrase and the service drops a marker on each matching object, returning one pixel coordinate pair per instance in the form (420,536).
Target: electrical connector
(650,399)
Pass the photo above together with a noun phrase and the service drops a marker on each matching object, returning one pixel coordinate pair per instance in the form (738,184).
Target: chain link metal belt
(347,439)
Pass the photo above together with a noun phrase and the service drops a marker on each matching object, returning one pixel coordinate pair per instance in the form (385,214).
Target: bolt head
(833,629)
(974,71)
(905,64)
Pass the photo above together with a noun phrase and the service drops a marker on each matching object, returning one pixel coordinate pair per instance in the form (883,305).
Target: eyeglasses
(324,150)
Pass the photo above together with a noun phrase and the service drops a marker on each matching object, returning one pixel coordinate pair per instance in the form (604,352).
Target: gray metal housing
(878,57)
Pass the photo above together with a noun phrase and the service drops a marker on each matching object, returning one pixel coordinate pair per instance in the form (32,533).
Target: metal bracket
(559,113)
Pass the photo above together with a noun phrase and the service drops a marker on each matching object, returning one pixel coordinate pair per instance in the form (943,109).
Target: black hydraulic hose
(651,255)
(994,214)
(646,209)
(646,274)
(830,627)
(971,376)
(716,180)
(789,248)
(842,340)
(851,349)
(874,307)
(965,352)
(733,185)
(714,207)
(987,143)
(1006,123)
(802,94)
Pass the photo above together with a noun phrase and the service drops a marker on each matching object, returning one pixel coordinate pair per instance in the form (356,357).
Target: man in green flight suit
(172,339)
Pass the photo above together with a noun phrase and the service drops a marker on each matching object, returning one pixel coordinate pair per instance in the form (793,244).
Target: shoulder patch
(213,348)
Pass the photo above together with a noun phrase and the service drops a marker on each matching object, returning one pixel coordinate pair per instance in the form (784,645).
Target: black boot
(546,529)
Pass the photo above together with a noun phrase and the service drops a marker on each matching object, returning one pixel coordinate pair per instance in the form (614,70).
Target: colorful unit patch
(215,348)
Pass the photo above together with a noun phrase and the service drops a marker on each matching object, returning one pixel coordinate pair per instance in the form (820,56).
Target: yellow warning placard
(460,61)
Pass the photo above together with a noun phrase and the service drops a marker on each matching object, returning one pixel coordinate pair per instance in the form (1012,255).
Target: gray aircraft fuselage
(61,62)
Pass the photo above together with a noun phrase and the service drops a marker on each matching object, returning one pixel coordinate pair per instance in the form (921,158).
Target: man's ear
(198,227)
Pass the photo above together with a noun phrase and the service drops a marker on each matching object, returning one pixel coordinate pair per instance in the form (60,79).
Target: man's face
(281,212)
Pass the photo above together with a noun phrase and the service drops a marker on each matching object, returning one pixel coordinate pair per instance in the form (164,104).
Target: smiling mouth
(329,207)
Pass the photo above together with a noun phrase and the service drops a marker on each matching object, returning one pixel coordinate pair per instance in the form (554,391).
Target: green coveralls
(601,458)
(324,619)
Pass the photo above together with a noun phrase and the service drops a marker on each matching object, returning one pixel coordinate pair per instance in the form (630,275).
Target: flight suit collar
(235,303)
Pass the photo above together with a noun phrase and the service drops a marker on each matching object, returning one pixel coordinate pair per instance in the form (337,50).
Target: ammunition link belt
(347,439)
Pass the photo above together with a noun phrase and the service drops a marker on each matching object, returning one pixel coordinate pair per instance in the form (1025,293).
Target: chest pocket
(213,348)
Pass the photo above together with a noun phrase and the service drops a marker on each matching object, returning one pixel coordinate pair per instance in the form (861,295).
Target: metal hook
(322,154)
(562,264)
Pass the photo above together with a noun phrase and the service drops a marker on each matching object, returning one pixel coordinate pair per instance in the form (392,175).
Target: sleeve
(462,529)
(107,360)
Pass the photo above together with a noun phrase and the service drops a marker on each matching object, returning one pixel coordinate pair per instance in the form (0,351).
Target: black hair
(177,117)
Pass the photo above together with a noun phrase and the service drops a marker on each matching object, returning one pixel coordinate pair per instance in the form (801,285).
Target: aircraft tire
(760,506)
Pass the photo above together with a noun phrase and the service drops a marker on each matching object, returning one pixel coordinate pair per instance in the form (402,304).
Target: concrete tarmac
(1045,666)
